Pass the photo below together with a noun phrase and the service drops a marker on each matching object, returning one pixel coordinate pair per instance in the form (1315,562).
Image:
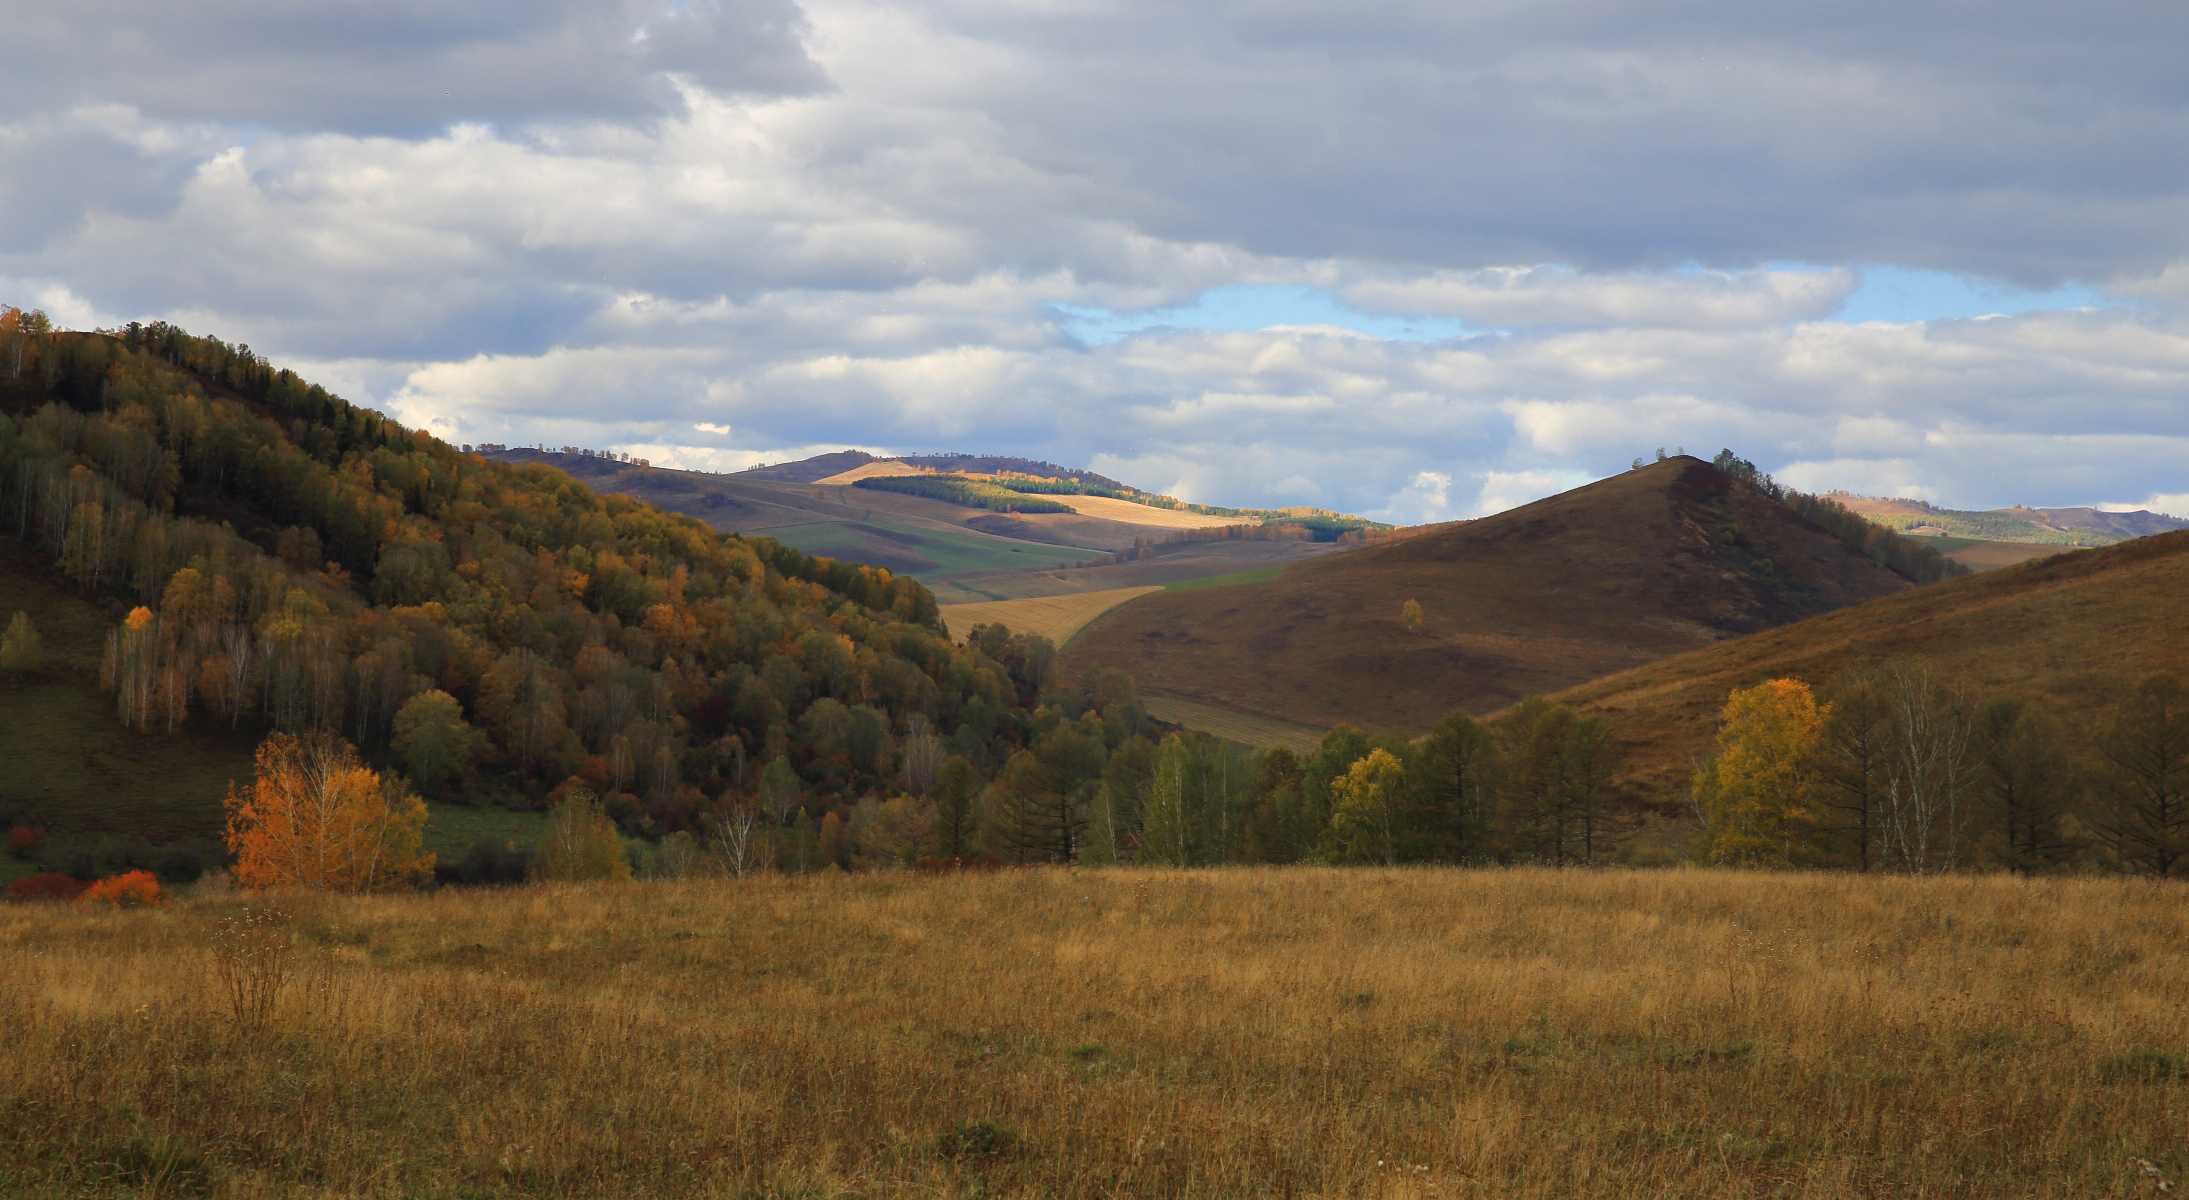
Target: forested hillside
(291,561)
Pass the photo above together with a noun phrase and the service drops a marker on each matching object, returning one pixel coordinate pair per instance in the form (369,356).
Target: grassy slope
(1257,575)
(1600,579)
(946,551)
(1308,1032)
(66,761)
(2072,632)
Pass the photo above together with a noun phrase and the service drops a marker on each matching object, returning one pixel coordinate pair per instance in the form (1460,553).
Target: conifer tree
(2142,782)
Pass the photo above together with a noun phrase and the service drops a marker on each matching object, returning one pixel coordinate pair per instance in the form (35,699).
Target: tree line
(1899,769)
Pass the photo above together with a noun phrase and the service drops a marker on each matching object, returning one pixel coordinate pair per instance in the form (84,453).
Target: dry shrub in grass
(1050,1032)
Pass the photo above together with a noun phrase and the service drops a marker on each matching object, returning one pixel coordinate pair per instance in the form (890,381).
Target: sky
(1415,261)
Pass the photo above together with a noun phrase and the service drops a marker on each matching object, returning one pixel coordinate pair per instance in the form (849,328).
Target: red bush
(126,890)
(47,887)
(26,839)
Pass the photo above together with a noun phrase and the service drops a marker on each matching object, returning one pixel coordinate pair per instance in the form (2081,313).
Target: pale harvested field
(1126,512)
(1990,556)
(1054,617)
(867,471)
(1249,728)
(1059,1033)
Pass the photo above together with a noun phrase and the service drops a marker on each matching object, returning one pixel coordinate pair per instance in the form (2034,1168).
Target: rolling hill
(963,554)
(2071,633)
(2019,524)
(1642,566)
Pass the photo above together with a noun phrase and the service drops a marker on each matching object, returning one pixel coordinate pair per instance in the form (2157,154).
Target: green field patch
(949,552)
(453,829)
(1257,575)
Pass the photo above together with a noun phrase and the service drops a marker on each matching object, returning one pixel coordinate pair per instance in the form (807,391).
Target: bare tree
(1931,766)
(733,840)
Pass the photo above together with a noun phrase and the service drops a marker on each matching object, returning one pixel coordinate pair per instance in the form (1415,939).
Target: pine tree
(2026,787)
(2142,784)
(957,817)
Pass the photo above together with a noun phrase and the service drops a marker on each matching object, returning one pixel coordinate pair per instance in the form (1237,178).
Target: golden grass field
(1128,513)
(1059,1033)
(1054,617)
(1990,556)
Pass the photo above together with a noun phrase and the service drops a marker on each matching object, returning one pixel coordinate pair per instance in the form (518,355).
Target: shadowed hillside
(2073,633)
(1644,565)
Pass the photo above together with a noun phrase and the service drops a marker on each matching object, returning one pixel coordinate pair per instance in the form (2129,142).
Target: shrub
(975,1139)
(130,889)
(26,840)
(48,886)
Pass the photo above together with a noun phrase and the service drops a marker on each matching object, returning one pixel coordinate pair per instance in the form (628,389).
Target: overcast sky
(1414,260)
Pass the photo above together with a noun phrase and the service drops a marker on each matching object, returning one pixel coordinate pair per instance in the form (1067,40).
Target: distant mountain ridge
(824,466)
(2039,526)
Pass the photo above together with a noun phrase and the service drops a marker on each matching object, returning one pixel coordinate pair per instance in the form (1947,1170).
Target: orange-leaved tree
(1758,793)
(316,817)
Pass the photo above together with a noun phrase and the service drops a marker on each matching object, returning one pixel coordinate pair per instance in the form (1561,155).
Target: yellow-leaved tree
(1370,820)
(316,817)
(1758,792)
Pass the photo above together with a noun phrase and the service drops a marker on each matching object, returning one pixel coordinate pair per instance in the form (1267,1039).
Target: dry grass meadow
(1293,1032)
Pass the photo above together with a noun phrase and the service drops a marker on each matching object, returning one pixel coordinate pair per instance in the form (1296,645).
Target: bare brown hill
(2072,632)
(1642,566)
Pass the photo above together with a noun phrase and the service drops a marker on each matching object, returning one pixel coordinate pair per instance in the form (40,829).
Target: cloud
(402,67)
(724,231)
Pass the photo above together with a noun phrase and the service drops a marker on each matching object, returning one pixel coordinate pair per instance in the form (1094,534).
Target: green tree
(1273,811)
(580,843)
(2142,782)
(1410,615)
(1334,756)
(434,740)
(2026,787)
(1167,828)
(779,786)
(1043,793)
(21,649)
(1457,772)
(1758,792)
(1854,765)
(957,816)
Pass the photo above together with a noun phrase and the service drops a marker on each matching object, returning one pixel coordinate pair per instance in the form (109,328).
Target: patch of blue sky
(1246,308)
(1904,294)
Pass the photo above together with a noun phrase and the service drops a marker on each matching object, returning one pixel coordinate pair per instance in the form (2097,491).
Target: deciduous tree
(580,842)
(315,817)
(1758,792)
